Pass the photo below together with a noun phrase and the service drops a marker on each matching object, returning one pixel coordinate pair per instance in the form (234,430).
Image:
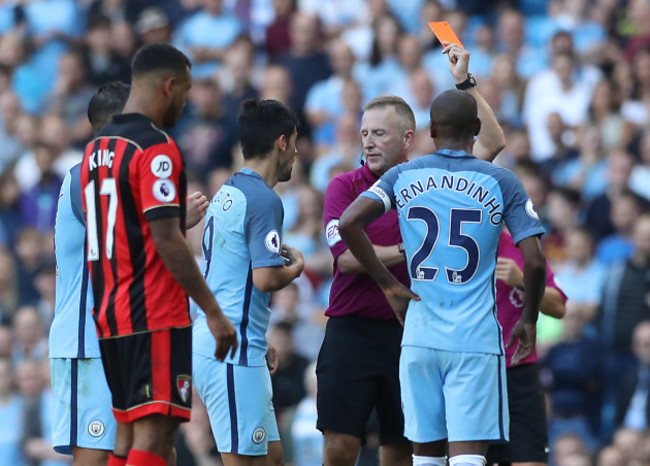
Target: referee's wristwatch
(469,82)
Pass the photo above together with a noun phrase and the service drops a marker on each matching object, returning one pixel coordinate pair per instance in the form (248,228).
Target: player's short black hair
(455,113)
(109,100)
(261,123)
(155,57)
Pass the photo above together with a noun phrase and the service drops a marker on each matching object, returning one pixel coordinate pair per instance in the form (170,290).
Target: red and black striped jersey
(131,174)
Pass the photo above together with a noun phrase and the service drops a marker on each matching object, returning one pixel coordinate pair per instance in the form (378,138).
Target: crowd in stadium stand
(568,79)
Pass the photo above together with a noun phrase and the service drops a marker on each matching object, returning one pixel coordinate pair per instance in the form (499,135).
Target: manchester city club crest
(259,435)
(184,386)
(96,428)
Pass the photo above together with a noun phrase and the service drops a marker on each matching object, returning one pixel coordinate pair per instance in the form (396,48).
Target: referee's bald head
(454,115)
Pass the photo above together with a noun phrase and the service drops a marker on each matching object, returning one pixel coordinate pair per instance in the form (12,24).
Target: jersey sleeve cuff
(375,196)
(267,263)
(538,231)
(163,211)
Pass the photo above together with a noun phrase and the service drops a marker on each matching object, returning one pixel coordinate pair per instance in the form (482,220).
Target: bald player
(451,209)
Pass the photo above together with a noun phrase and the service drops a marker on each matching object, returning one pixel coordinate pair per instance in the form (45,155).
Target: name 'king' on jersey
(451,207)
(132,174)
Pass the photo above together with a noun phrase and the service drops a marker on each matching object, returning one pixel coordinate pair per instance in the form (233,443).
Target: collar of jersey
(248,171)
(454,153)
(368,174)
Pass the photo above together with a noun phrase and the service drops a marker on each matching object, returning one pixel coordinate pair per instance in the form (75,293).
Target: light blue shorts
(453,395)
(239,403)
(81,406)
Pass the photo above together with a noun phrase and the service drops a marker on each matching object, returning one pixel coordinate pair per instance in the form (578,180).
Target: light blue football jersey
(243,231)
(73,333)
(451,207)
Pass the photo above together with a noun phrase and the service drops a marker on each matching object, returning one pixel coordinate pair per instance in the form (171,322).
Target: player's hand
(509,272)
(293,258)
(225,335)
(271,358)
(197,207)
(526,333)
(398,296)
(458,61)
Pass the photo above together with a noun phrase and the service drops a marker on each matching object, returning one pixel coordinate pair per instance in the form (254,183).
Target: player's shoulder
(257,194)
(138,130)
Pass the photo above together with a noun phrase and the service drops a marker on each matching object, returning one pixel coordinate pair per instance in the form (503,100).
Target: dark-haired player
(134,188)
(83,423)
(451,209)
(244,260)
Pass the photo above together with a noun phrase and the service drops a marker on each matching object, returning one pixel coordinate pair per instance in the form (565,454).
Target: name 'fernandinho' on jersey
(458,183)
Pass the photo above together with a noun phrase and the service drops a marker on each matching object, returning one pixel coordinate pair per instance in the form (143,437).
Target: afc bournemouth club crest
(96,428)
(184,386)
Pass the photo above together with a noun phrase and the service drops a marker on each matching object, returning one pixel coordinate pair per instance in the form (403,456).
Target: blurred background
(568,79)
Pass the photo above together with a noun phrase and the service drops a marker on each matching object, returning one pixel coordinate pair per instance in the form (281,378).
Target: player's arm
(491,140)
(177,257)
(534,284)
(275,278)
(552,303)
(388,255)
(353,221)
(338,197)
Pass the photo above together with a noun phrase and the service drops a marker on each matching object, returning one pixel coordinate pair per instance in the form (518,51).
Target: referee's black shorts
(358,371)
(528,425)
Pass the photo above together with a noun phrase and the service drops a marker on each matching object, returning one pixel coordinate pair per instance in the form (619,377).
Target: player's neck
(452,144)
(265,168)
(145,106)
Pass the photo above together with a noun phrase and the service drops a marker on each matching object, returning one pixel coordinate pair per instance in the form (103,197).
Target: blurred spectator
(153,26)
(597,219)
(324,102)
(8,288)
(344,156)
(604,112)
(511,40)
(117,10)
(28,260)
(305,61)
(205,134)
(511,87)
(640,176)
(10,216)
(627,441)
(276,84)
(638,12)
(383,65)
(563,207)
(9,113)
(33,385)
(10,413)
(236,77)
(336,15)
(278,40)
(29,341)
(294,304)
(307,441)
(610,456)
(566,445)
(633,406)
(288,381)
(586,172)
(38,203)
(581,277)
(573,374)
(635,107)
(625,210)
(197,38)
(123,40)
(101,63)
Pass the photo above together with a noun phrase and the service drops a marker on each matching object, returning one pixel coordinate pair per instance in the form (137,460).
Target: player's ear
(168,85)
(281,143)
(478,126)
(433,130)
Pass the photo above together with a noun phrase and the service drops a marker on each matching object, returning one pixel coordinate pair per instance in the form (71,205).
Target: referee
(358,364)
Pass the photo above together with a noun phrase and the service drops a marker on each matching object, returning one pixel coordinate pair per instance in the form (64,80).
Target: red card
(445,33)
